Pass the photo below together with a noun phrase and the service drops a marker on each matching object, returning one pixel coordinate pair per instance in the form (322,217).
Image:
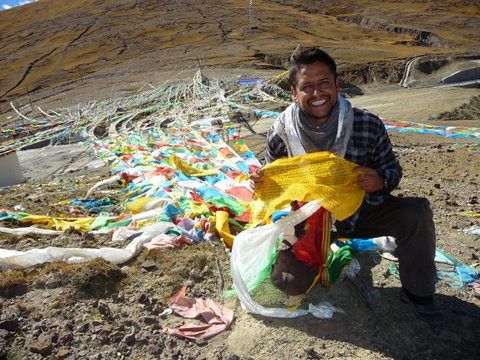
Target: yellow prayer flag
(223,228)
(240,146)
(317,176)
(242,177)
(138,205)
(197,209)
(469,213)
(60,224)
(140,224)
(82,224)
(188,169)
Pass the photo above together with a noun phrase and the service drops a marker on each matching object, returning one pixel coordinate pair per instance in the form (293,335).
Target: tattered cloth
(217,318)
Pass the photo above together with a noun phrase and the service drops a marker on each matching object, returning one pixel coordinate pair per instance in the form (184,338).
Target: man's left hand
(369,181)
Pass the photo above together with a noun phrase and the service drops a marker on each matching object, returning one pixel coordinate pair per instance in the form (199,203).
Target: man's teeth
(319,102)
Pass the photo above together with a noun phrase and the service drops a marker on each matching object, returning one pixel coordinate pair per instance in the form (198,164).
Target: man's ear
(293,90)
(337,84)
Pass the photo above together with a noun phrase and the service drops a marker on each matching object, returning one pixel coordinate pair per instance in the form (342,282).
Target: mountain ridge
(50,43)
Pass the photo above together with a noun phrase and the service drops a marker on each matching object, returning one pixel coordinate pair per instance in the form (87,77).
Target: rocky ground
(97,310)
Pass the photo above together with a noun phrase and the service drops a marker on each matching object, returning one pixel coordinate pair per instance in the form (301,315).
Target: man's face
(315,91)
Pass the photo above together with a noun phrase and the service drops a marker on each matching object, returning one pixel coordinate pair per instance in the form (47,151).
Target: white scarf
(301,139)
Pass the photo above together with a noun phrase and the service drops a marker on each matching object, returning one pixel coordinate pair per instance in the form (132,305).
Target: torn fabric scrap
(217,318)
(165,241)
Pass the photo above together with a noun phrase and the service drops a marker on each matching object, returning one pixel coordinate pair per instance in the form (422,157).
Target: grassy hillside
(54,42)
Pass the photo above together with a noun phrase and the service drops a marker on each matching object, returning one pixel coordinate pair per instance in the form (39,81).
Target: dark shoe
(431,313)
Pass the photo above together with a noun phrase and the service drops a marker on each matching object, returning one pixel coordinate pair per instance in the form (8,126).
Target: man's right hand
(256,179)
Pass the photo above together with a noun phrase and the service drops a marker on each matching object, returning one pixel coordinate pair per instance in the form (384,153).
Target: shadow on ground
(376,319)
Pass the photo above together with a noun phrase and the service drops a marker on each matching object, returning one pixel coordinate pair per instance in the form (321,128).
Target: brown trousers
(410,221)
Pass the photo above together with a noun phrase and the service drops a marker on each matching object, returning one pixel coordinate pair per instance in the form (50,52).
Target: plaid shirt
(369,145)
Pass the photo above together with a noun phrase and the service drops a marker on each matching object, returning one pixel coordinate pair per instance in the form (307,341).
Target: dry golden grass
(52,42)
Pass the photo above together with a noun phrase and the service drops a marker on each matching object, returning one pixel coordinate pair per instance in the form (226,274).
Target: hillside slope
(47,46)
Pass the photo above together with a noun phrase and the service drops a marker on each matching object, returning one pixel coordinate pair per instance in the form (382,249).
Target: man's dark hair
(309,55)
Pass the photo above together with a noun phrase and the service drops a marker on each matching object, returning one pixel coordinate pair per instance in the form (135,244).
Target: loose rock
(62,353)
(149,265)
(9,325)
(104,309)
(43,346)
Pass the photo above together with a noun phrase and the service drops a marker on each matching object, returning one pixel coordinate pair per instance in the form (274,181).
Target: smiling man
(315,91)
(320,119)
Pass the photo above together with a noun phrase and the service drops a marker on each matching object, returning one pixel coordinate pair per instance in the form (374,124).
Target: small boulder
(43,346)
(154,349)
(130,339)
(149,265)
(63,353)
(9,325)
(150,320)
(104,309)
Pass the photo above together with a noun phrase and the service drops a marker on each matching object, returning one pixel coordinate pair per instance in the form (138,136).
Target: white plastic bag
(385,243)
(251,253)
